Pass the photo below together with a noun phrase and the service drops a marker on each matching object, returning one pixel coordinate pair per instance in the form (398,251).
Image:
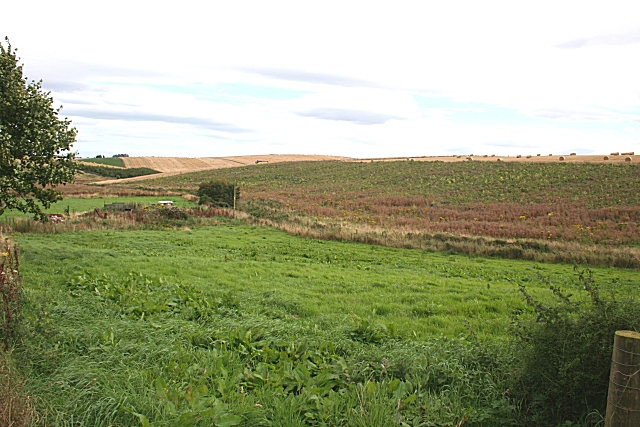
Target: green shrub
(218,193)
(566,354)
(115,172)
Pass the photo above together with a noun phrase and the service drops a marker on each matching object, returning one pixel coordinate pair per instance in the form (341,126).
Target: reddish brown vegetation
(570,222)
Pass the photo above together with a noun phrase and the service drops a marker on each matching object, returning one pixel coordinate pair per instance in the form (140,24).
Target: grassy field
(574,212)
(188,317)
(452,184)
(85,204)
(239,325)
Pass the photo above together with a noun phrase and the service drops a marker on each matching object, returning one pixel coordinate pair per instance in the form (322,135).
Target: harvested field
(529,158)
(188,164)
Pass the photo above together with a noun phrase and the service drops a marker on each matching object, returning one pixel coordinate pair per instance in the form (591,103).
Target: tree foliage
(218,193)
(35,143)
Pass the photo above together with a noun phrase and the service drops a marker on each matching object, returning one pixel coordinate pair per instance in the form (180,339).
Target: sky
(358,79)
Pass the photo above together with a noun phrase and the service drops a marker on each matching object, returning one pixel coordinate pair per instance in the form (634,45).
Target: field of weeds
(591,211)
(239,325)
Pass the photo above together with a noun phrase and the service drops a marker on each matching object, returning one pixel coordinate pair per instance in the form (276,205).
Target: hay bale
(606,158)
(572,154)
(550,155)
(470,158)
(500,159)
(561,158)
(518,156)
(615,154)
(627,159)
(528,156)
(493,155)
(630,153)
(485,156)
(537,155)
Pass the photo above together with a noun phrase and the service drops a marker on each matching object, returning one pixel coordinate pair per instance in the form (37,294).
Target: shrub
(566,353)
(118,173)
(218,193)
(10,291)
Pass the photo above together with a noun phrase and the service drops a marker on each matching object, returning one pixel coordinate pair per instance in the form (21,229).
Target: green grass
(263,328)
(79,205)
(111,161)
(596,185)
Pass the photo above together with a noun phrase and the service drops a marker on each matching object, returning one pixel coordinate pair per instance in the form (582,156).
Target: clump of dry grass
(190,197)
(16,408)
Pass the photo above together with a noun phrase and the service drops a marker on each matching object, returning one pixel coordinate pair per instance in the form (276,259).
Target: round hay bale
(572,154)
(561,158)
(627,159)
(606,158)
(630,153)
(550,155)
(518,156)
(528,156)
(615,154)
(500,159)
(485,156)
(493,155)
(470,158)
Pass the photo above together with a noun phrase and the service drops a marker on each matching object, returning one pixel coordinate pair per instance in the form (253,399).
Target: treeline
(115,172)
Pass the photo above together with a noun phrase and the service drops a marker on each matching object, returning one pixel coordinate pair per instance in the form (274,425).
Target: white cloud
(355,66)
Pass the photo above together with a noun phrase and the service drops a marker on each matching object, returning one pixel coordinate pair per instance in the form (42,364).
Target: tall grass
(16,408)
(510,248)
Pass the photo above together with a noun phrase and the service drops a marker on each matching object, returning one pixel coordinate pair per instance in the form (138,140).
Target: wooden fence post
(623,401)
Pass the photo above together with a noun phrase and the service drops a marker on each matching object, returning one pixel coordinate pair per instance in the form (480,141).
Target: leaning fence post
(623,400)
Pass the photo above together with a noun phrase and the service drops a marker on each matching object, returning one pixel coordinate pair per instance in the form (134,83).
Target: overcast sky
(361,79)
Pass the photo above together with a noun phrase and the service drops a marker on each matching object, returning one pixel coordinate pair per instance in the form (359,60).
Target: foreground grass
(237,325)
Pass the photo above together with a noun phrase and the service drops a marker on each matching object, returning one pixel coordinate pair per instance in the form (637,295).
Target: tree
(218,193)
(35,144)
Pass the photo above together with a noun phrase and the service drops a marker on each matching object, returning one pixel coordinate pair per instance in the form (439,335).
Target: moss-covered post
(623,401)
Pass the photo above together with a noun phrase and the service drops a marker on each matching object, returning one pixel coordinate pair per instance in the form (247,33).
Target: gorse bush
(566,353)
(115,172)
(218,193)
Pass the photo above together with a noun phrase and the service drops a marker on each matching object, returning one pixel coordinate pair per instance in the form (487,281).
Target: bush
(11,292)
(218,193)
(117,173)
(566,354)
